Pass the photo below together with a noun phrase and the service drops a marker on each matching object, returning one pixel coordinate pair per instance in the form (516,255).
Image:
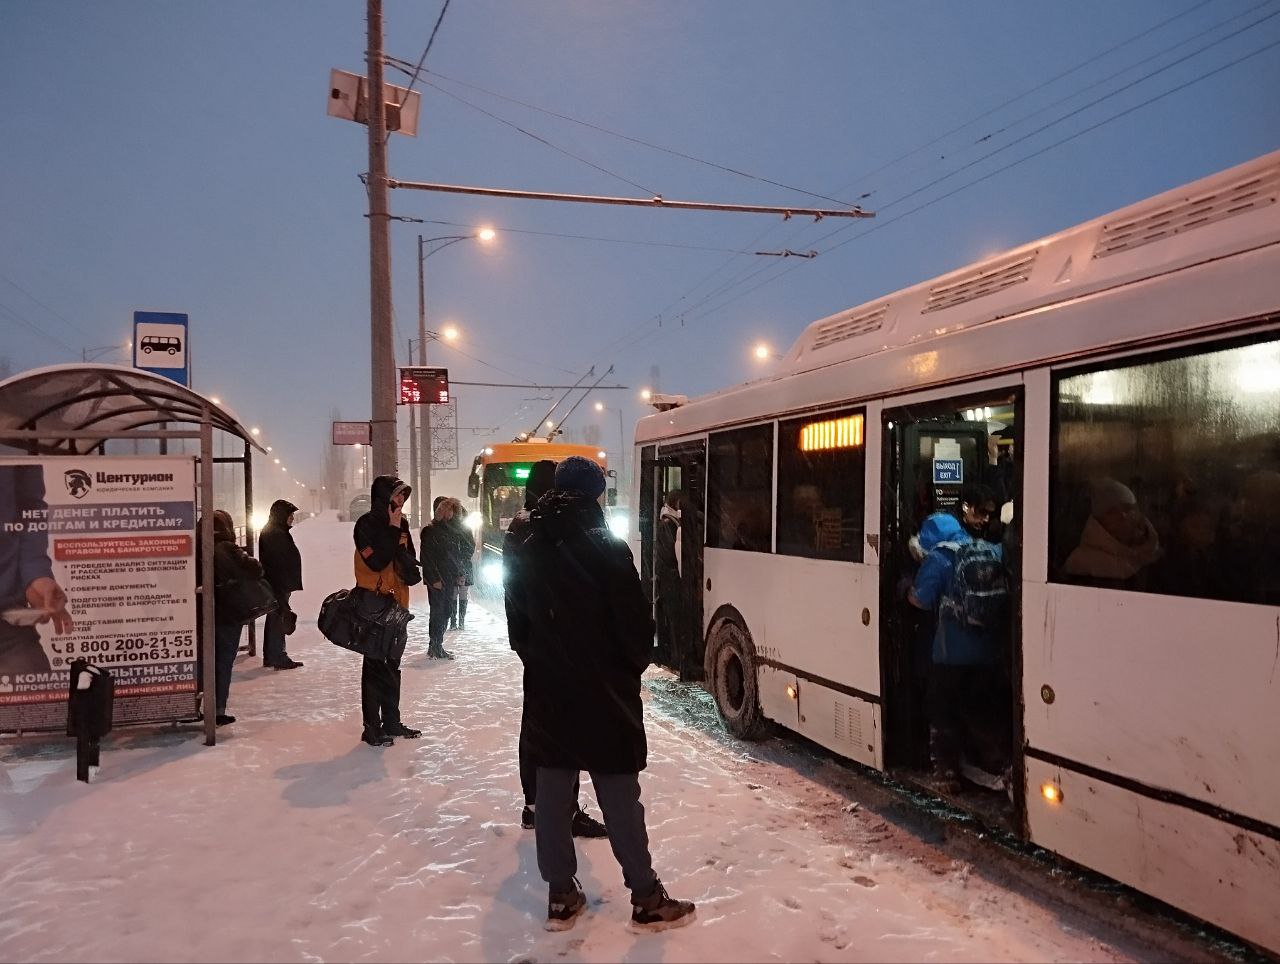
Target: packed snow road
(293,841)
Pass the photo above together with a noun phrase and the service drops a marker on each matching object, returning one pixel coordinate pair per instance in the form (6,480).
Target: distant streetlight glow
(646,394)
(449,333)
(255,430)
(550,424)
(277,461)
(486,234)
(599,406)
(215,399)
(762,351)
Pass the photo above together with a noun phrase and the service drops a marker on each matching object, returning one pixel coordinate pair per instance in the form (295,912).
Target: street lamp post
(622,441)
(422,495)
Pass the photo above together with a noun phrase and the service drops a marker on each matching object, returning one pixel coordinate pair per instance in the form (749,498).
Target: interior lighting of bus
(1051,792)
(837,433)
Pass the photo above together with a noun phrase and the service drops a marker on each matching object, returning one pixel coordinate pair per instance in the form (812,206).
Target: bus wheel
(732,666)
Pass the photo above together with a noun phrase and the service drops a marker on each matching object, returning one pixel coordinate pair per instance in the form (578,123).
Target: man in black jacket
(542,477)
(580,622)
(282,564)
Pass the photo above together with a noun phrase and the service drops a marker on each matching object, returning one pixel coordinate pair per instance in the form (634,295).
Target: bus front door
(672,495)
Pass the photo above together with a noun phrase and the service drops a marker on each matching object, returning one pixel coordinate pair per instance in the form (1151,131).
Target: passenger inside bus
(1118,543)
(963,583)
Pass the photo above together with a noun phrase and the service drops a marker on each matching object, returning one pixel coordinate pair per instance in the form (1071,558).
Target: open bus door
(671,570)
(931,450)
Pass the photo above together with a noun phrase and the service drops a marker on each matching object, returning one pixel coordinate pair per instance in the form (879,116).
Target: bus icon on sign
(154,343)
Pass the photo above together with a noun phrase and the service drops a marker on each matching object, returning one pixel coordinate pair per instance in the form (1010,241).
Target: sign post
(160,345)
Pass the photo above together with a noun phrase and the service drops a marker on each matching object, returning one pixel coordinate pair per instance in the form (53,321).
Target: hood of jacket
(560,514)
(384,487)
(281,509)
(542,478)
(941,527)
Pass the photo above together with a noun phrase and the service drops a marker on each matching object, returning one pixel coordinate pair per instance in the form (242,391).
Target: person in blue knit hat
(581,623)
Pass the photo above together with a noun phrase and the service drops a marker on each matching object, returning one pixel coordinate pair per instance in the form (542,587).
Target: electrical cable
(542,140)
(637,140)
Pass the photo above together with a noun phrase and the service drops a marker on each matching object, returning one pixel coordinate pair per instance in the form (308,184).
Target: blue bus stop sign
(160,345)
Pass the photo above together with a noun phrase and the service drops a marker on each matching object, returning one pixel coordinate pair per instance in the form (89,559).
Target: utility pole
(381,349)
(415,510)
(424,426)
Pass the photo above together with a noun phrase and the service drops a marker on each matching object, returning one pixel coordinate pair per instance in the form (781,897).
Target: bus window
(821,465)
(740,489)
(1166,476)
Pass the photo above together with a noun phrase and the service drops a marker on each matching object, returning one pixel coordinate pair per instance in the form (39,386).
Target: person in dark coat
(282,564)
(230,563)
(670,590)
(385,562)
(541,480)
(580,621)
(447,548)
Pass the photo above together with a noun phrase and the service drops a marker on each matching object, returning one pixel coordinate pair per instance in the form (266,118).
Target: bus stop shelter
(87,409)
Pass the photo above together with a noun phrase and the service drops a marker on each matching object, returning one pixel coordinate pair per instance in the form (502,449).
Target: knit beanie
(1107,494)
(580,475)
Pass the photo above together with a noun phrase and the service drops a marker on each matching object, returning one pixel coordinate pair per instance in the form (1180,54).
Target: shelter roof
(61,400)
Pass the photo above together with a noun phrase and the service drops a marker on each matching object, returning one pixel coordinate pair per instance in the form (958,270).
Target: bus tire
(731,672)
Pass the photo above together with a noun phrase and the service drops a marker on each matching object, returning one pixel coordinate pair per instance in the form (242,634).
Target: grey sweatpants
(619,797)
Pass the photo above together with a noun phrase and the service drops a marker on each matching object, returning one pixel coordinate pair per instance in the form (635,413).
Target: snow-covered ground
(292,840)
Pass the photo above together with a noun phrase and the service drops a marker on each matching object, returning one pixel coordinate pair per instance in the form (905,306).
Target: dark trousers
(273,644)
(619,796)
(380,692)
(226,643)
(964,710)
(443,602)
(20,650)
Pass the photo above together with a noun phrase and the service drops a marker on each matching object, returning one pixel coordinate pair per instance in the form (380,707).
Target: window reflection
(740,489)
(1167,477)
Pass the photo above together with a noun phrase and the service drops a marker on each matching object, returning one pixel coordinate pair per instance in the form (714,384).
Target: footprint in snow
(865,881)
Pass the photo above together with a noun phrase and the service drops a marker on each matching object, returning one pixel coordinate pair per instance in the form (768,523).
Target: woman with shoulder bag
(385,562)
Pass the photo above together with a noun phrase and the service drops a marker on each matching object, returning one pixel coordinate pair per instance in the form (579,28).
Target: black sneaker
(659,912)
(585,825)
(285,663)
(563,909)
(399,729)
(222,719)
(526,818)
(374,736)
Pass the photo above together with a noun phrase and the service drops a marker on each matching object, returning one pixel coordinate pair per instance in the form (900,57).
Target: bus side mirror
(611,498)
(473,486)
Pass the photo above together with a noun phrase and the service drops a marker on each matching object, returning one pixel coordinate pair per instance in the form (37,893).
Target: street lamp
(763,352)
(421,475)
(622,439)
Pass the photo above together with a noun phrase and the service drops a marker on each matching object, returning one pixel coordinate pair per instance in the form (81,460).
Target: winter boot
(587,826)
(563,909)
(399,729)
(374,736)
(659,912)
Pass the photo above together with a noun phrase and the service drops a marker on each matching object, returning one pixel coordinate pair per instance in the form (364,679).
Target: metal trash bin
(90,704)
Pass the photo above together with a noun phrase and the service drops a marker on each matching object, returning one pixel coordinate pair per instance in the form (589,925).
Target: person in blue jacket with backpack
(963,581)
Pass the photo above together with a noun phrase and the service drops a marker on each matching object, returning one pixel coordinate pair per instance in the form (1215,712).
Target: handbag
(243,600)
(366,622)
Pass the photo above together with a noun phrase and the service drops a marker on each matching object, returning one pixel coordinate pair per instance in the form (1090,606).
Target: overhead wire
(636,140)
(882,223)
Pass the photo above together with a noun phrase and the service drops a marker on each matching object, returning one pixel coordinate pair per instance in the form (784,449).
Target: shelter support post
(209,681)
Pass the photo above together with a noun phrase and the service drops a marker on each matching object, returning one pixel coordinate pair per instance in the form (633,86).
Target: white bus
(1134,361)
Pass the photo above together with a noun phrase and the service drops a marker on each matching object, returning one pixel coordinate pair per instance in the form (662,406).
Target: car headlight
(491,573)
(474,520)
